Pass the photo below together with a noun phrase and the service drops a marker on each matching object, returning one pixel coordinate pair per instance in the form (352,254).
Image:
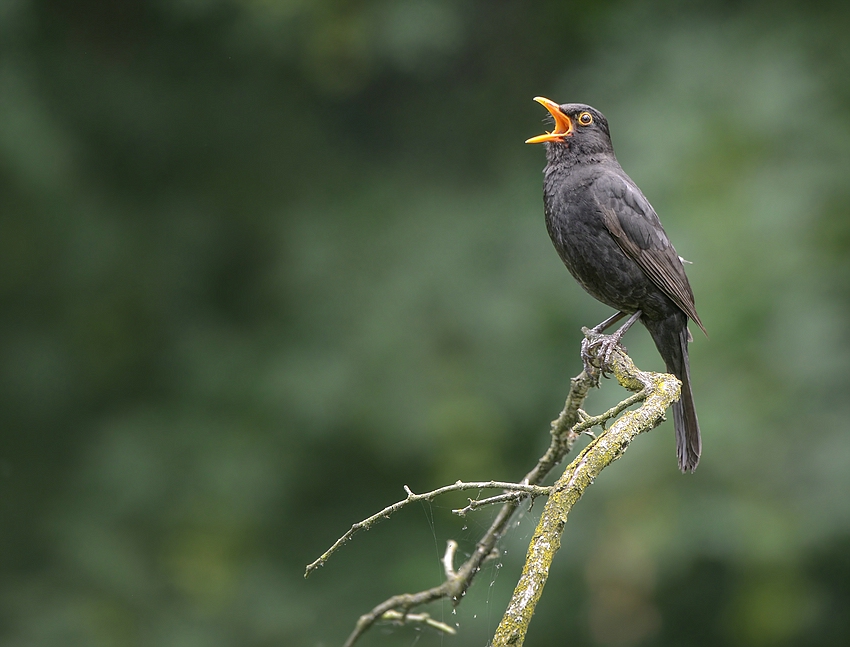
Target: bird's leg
(614,340)
(610,321)
(606,343)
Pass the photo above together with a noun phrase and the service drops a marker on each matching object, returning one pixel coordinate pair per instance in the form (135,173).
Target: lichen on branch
(655,390)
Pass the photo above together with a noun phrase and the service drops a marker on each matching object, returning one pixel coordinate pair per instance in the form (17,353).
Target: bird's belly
(601,267)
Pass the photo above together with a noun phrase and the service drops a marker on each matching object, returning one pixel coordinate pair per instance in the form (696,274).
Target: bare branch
(565,430)
(474,504)
(420,618)
(454,588)
(588,422)
(523,488)
(657,390)
(449,559)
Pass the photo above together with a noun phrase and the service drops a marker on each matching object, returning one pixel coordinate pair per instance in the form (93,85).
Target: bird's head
(578,127)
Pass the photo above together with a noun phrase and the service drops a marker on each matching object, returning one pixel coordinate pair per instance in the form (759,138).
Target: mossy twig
(654,389)
(657,390)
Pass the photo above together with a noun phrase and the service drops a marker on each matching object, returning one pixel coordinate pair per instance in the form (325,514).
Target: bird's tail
(671,338)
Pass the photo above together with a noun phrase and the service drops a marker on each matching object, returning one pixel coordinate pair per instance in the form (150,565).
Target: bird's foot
(596,351)
(596,348)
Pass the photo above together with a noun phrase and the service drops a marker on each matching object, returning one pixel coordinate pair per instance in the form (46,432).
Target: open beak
(563,124)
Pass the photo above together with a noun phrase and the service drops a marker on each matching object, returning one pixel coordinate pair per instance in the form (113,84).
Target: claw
(588,358)
(599,362)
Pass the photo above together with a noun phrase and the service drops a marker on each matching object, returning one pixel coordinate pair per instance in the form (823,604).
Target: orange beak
(563,124)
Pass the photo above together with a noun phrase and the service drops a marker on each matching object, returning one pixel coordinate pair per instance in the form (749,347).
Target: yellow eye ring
(585,119)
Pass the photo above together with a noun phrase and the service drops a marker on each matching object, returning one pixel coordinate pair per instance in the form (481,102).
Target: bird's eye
(585,119)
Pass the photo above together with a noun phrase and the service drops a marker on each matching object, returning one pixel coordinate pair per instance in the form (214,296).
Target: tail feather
(671,338)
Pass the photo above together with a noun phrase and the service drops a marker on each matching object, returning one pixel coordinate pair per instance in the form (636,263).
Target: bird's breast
(587,248)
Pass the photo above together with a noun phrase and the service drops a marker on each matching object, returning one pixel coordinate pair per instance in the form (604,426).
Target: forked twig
(521,491)
(658,390)
(565,430)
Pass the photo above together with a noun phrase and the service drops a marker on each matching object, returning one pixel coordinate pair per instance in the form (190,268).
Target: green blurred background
(263,262)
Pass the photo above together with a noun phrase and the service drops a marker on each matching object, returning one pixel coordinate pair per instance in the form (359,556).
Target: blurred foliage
(262,262)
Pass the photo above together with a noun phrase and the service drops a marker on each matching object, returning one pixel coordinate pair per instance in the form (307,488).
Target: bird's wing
(635,226)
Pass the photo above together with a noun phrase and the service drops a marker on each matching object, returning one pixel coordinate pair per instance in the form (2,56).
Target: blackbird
(611,241)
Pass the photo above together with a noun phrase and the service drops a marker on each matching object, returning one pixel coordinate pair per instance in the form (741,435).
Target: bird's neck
(569,154)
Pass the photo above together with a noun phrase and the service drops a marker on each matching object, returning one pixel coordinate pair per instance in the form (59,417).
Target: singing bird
(612,242)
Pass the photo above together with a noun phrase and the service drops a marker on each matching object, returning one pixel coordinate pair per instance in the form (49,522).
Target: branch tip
(420,618)
(449,559)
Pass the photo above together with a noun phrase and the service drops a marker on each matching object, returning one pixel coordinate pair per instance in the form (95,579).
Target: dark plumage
(611,241)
